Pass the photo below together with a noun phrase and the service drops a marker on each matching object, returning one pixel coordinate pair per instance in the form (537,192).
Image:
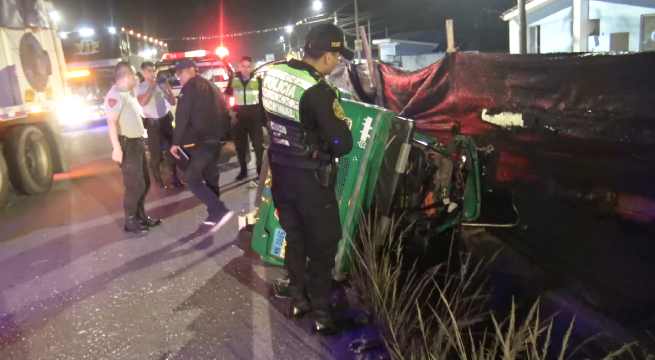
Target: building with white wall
(407,54)
(556,26)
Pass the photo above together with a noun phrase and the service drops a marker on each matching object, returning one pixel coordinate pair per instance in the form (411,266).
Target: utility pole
(358,41)
(450,36)
(370,36)
(523,28)
(220,23)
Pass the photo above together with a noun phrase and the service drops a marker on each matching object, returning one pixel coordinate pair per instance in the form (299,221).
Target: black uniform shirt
(322,115)
(201,114)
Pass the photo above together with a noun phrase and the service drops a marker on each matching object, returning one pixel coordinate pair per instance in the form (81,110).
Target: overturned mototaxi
(392,169)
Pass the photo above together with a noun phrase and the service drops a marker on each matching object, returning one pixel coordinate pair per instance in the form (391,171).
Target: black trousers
(310,216)
(160,139)
(135,176)
(249,125)
(202,175)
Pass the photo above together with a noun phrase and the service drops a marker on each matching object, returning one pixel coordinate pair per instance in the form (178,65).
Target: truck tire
(4,182)
(30,160)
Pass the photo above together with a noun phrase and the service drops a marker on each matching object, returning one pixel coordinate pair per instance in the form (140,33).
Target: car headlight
(74,111)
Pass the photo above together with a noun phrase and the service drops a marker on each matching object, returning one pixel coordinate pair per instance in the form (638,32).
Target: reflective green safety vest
(282,89)
(247,94)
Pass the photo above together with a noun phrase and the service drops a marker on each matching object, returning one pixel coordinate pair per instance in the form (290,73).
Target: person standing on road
(156,98)
(308,130)
(201,122)
(245,88)
(127,136)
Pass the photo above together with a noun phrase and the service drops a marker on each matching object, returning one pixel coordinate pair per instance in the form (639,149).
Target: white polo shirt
(158,106)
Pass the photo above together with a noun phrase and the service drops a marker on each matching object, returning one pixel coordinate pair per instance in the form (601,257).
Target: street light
(55,16)
(288,29)
(282,40)
(111,30)
(86,32)
(317,5)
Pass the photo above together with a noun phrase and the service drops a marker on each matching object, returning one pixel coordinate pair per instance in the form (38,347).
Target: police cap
(184,64)
(328,37)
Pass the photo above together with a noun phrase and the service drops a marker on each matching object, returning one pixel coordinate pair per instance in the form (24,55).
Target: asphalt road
(74,286)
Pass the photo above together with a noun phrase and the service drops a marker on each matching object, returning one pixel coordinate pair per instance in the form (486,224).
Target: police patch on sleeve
(111,102)
(340,113)
(338,110)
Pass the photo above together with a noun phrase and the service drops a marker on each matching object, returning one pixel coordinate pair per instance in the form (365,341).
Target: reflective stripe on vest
(283,88)
(245,95)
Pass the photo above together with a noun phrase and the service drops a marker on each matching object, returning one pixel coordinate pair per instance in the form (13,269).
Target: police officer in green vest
(245,88)
(309,131)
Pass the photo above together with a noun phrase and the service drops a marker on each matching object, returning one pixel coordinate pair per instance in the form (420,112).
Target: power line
(345,21)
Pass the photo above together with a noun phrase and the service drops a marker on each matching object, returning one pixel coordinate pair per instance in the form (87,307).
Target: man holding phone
(201,122)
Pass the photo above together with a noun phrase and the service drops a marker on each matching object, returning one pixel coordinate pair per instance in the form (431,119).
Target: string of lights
(286,28)
(144,37)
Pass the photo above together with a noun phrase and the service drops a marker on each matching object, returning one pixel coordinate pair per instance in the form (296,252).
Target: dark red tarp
(606,97)
(582,173)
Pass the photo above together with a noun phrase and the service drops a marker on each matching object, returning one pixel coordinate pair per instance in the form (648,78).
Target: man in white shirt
(156,98)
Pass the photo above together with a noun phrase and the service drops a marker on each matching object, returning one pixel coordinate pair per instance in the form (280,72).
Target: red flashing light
(222,52)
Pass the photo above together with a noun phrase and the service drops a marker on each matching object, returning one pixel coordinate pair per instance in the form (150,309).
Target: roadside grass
(444,312)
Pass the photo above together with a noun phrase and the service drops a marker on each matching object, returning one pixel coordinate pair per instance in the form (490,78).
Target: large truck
(91,55)
(32,82)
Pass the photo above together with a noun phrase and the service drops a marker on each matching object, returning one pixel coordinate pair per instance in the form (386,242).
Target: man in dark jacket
(201,121)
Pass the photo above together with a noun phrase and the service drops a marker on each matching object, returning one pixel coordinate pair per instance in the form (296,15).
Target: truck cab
(32,82)
(91,55)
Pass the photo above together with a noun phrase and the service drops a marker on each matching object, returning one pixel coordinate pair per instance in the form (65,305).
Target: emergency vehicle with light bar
(212,66)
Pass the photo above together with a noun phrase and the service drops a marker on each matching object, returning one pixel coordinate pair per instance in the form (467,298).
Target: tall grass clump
(443,312)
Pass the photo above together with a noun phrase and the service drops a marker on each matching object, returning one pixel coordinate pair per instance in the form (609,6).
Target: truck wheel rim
(35,158)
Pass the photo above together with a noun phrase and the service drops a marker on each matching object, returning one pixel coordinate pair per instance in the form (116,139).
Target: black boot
(242,175)
(150,222)
(324,323)
(147,221)
(299,308)
(133,225)
(299,303)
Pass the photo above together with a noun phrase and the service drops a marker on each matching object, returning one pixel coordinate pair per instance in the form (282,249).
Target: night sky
(478,26)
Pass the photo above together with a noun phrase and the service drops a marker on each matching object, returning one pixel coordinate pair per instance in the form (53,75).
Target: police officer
(157,98)
(126,133)
(308,131)
(201,122)
(245,88)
